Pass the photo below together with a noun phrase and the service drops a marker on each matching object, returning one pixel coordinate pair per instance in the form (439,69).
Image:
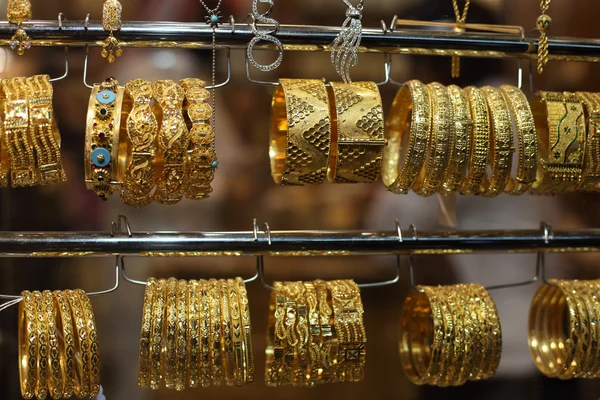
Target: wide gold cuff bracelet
(591,170)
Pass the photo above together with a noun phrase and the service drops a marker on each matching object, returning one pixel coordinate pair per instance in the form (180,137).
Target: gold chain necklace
(543,23)
(460,22)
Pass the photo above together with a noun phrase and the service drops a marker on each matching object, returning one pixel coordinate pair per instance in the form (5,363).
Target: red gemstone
(95,124)
(110,126)
(101,135)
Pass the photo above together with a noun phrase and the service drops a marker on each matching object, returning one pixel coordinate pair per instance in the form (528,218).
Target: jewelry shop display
(111,22)
(17,12)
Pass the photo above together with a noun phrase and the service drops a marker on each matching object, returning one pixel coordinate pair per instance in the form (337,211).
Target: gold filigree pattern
(111,22)
(480,148)
(590,179)
(144,357)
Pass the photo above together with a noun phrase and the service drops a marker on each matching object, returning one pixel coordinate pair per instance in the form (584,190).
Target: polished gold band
(173,140)
(66,323)
(94,361)
(193,332)
(411,110)
(170,346)
(181,337)
(480,142)
(247,332)
(146,330)
(501,134)
(591,172)
(357,120)
(430,178)
(28,349)
(300,137)
(157,337)
(459,152)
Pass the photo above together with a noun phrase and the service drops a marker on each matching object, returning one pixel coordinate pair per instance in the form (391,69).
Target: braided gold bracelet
(157,336)
(144,357)
(193,332)
(181,336)
(328,334)
(480,142)
(590,179)
(28,345)
(66,323)
(247,331)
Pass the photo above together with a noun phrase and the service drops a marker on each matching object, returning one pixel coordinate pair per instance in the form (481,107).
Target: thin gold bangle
(448,342)
(145,340)
(455,375)
(193,333)
(501,134)
(411,112)
(170,342)
(591,172)
(82,345)
(477,334)
(430,179)
(247,334)
(66,322)
(314,340)
(579,331)
(205,338)
(41,387)
(593,290)
(586,313)
(328,334)
(181,338)
(480,142)
(157,333)
(302,372)
(276,337)
(227,342)
(291,315)
(56,379)
(28,348)
(216,355)
(94,377)
(526,139)
(236,332)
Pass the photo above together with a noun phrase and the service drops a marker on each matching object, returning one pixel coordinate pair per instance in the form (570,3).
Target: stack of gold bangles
(29,135)
(151,141)
(449,334)
(316,333)
(195,333)
(58,345)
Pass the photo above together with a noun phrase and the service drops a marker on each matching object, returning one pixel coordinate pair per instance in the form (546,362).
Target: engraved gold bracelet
(590,180)
(82,345)
(247,330)
(144,357)
(205,327)
(170,342)
(237,333)
(94,361)
(56,377)
(157,336)
(193,332)
(227,346)
(41,387)
(181,338)
(28,348)
(216,353)
(68,331)
(480,142)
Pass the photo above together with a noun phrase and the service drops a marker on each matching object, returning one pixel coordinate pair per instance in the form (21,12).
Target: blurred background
(243,189)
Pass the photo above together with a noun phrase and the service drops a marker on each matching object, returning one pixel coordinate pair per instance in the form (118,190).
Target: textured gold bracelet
(448,343)
(216,355)
(289,354)
(560,125)
(142,128)
(454,375)
(102,138)
(193,332)
(314,340)
(237,333)
(430,179)
(16,133)
(493,332)
(28,345)
(276,336)
(247,330)
(593,298)
(43,130)
(411,110)
(300,136)
(169,356)
(483,324)
(328,334)
(480,142)
(358,126)
(202,161)
(65,322)
(578,330)
(144,357)
(205,327)
(534,330)
(459,153)
(88,311)
(301,367)
(477,333)
(591,172)
(437,344)
(227,342)
(41,387)
(181,337)
(82,345)
(56,372)
(579,292)
(502,150)
(173,139)
(157,336)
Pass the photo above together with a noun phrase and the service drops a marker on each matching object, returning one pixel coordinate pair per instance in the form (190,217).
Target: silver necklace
(213,18)
(344,48)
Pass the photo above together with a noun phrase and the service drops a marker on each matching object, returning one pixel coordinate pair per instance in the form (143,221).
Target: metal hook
(86,23)
(411,267)
(220,85)
(61,16)
(232,23)
(385,29)
(260,260)
(388,71)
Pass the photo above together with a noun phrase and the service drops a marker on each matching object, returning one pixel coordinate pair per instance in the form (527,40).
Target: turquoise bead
(100,157)
(214,19)
(106,97)
(215,164)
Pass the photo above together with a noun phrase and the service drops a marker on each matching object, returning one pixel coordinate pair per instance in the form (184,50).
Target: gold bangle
(170,340)
(590,180)
(459,153)
(16,132)
(102,138)
(301,366)
(28,345)
(216,355)
(430,179)
(357,120)
(579,330)
(157,336)
(589,329)
(202,161)
(535,331)
(17,12)
(111,21)
(237,334)
(480,142)
(193,332)
(477,333)
(328,334)
(314,340)
(560,125)
(181,338)
(142,129)
(501,133)
(593,290)
(455,375)
(411,110)
(82,345)
(41,387)
(144,357)
(300,136)
(56,379)
(291,315)
(227,342)
(205,327)
(276,337)
(94,362)
(493,333)
(65,325)
(247,331)
(445,360)
(173,139)
(44,131)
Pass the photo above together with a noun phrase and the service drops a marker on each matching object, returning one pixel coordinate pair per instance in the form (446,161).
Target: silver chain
(211,11)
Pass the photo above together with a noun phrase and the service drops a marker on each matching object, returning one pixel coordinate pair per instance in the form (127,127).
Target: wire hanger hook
(62,17)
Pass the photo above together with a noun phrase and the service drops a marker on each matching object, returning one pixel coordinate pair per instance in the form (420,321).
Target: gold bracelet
(216,355)
(56,377)
(300,371)
(501,134)
(237,334)
(300,136)
(357,120)
(411,110)
(227,342)
(579,329)
(459,152)
(276,336)
(205,338)
(491,331)
(43,130)
(247,331)
(526,139)
(82,345)
(193,332)
(328,334)
(579,290)
(202,161)
(289,354)
(430,179)
(142,129)
(28,345)
(173,139)
(454,375)
(41,387)
(144,357)
(181,338)
(590,180)
(593,290)
(157,336)
(104,119)
(478,333)
(94,377)
(560,125)
(17,12)
(16,132)
(65,325)
(314,340)
(170,342)
(448,343)
(535,330)
(480,142)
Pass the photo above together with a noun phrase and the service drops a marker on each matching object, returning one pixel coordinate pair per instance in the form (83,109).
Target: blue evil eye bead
(100,157)
(106,97)
(214,19)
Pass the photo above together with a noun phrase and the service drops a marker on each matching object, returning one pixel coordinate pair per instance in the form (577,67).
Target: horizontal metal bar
(290,243)
(304,38)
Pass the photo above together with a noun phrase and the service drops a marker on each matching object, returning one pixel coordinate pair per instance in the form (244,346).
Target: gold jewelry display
(102,138)
(526,139)
(300,136)
(411,111)
(142,128)
(43,130)
(480,142)
(560,124)
(111,22)
(501,134)
(461,18)
(590,179)
(543,23)
(358,126)
(17,12)
(173,140)
(429,180)
(202,161)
